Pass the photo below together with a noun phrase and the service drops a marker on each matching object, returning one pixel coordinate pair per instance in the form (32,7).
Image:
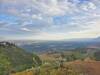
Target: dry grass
(88,67)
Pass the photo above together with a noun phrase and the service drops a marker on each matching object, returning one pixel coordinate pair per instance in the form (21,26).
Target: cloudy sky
(49,19)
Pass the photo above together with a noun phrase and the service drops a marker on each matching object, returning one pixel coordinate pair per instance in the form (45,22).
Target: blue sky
(49,19)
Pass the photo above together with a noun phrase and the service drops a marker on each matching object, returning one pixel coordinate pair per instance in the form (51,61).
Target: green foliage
(36,61)
(97,55)
(75,56)
(5,64)
(12,57)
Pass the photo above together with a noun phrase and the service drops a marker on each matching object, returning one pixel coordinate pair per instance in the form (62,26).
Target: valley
(50,57)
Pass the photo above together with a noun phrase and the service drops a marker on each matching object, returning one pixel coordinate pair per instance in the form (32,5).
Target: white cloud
(26,29)
(38,17)
(25,24)
(88,6)
(53,7)
(92,5)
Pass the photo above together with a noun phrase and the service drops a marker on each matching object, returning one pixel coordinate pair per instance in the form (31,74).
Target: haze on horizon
(49,19)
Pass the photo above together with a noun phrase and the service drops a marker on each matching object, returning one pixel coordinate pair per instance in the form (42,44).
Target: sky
(49,19)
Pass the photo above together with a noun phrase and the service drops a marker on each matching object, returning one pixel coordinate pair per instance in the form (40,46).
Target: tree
(37,63)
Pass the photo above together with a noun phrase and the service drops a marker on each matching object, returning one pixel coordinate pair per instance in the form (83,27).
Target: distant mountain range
(42,46)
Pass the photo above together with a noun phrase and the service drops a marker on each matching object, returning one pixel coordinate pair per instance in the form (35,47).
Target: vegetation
(16,61)
(51,69)
(97,55)
(5,64)
(13,58)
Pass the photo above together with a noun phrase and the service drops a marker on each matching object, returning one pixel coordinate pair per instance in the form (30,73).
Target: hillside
(13,58)
(70,68)
(82,61)
(88,67)
(76,60)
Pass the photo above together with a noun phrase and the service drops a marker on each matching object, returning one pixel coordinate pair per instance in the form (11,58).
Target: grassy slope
(71,68)
(16,58)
